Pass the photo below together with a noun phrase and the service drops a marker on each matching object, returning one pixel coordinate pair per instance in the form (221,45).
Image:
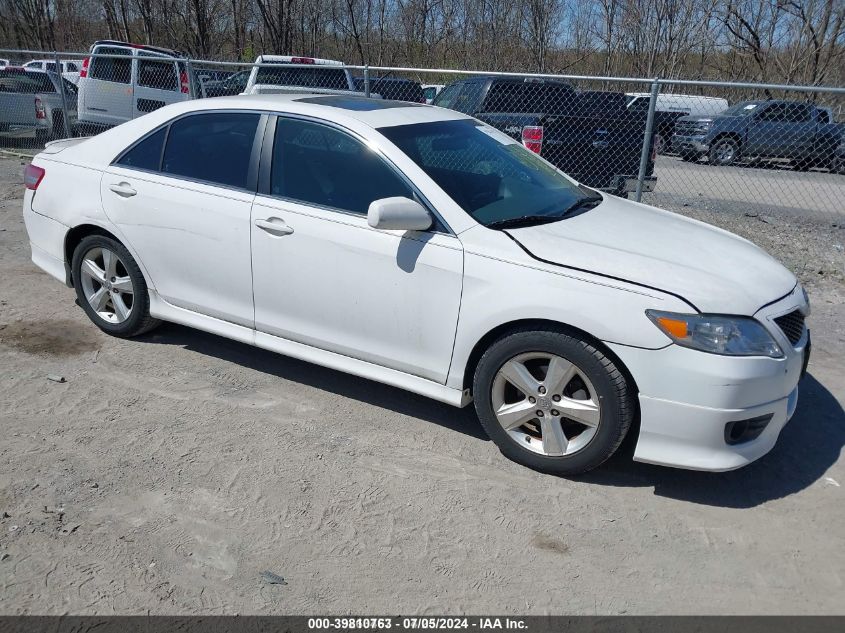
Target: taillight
(40,110)
(183,82)
(654,147)
(532,137)
(301,60)
(84,71)
(32,176)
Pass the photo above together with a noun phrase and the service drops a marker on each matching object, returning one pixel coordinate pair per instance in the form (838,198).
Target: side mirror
(402,214)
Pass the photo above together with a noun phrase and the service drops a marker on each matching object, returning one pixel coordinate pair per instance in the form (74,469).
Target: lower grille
(792,325)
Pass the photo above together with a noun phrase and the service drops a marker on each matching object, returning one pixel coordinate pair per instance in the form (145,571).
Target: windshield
(741,109)
(492,177)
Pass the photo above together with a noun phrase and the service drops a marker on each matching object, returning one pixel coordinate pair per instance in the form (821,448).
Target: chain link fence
(757,159)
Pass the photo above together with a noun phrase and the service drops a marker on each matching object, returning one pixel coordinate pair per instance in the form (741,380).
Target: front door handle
(123,189)
(276,226)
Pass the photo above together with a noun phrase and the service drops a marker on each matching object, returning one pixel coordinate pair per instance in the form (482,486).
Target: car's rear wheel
(552,401)
(111,288)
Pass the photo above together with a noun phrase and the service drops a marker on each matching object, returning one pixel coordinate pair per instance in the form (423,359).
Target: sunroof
(361,104)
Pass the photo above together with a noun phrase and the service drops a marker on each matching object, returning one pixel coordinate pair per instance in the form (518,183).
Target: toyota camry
(421,248)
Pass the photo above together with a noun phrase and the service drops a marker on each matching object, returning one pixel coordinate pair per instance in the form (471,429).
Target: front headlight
(716,334)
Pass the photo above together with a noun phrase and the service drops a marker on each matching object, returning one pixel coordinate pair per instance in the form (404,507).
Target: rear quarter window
(146,154)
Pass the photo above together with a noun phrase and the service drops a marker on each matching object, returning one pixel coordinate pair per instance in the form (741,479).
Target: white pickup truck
(284,73)
(30,104)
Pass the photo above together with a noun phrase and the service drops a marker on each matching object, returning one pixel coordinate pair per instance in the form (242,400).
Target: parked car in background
(423,249)
(70,67)
(394,88)
(800,132)
(285,73)
(30,103)
(121,81)
(232,85)
(205,75)
(839,156)
(668,108)
(596,144)
(430,91)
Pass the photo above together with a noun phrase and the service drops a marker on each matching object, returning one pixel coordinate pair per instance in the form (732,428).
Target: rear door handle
(276,226)
(123,189)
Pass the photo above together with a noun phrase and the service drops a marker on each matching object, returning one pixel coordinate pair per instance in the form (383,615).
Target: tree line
(792,41)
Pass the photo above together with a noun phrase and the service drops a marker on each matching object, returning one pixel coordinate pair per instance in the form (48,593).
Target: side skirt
(161,309)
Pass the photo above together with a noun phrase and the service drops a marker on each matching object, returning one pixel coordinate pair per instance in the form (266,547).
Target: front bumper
(689,399)
(689,144)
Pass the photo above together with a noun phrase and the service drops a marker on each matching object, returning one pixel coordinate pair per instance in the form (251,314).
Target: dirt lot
(170,471)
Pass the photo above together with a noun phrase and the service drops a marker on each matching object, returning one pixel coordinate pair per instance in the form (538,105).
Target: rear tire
(572,410)
(111,288)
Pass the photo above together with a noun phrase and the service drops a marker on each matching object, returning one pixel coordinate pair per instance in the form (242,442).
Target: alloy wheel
(546,404)
(725,152)
(107,285)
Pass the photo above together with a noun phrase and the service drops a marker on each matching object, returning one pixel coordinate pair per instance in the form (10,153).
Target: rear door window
(211,147)
(116,69)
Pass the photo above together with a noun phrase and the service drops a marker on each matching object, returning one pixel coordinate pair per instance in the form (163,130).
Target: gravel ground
(169,472)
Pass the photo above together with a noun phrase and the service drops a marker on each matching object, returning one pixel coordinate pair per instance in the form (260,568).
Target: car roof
(143,47)
(375,113)
(346,110)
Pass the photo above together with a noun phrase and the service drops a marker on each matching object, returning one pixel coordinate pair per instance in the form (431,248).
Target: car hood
(711,269)
(707,117)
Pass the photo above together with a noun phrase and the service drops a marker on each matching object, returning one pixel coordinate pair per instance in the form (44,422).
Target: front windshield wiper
(523,220)
(591,199)
(582,204)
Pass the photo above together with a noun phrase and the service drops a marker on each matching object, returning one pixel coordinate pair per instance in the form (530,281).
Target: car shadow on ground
(361,389)
(808,446)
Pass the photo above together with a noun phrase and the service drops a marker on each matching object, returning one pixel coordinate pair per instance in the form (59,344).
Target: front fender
(498,293)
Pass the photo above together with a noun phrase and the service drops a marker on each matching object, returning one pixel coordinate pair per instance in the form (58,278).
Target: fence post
(195,89)
(367,80)
(649,131)
(65,118)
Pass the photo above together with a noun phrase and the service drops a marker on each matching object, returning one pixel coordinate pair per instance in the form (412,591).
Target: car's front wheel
(552,401)
(111,288)
(724,152)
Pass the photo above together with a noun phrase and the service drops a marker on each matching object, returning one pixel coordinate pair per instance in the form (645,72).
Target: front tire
(552,401)
(111,288)
(724,152)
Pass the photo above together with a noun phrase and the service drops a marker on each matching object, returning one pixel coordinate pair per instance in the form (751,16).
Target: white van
(129,81)
(694,105)
(284,73)
(70,67)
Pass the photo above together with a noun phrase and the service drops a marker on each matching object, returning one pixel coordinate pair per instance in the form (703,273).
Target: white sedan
(418,247)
